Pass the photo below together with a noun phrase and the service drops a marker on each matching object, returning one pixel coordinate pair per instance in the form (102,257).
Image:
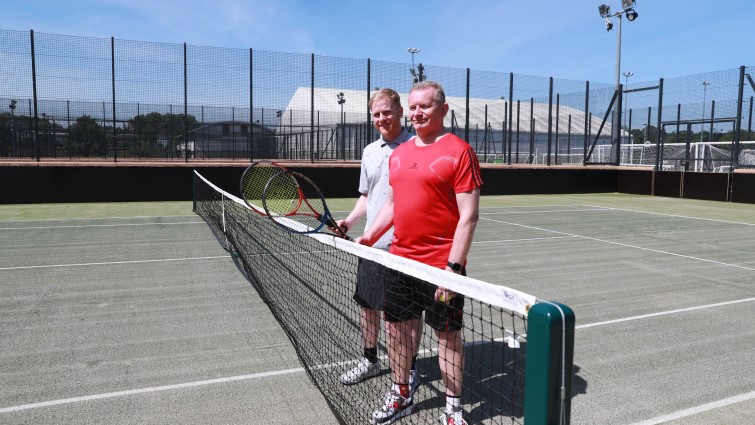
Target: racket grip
(341,232)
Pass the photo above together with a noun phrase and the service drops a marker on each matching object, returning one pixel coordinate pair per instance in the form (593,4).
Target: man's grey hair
(440,95)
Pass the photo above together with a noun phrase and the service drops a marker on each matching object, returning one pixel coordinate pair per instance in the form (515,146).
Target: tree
(86,138)
(743,136)
(155,130)
(648,133)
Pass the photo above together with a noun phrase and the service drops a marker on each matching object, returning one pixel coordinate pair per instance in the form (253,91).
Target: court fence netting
(518,350)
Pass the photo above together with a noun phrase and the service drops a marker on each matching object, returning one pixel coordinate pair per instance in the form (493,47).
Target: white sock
(453,404)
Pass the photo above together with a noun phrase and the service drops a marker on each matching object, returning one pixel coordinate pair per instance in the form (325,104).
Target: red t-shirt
(425,182)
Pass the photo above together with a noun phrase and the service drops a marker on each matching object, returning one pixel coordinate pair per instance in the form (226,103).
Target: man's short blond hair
(389,94)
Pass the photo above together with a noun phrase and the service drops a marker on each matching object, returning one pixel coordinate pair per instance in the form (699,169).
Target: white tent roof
(355,110)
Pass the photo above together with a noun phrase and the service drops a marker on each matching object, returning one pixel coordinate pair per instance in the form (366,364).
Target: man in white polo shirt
(387,112)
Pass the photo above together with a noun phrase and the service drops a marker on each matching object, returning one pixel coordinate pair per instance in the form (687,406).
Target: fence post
(550,364)
(34,86)
(738,125)
(532,131)
(617,120)
(466,121)
(186,109)
(550,119)
(511,111)
(558,128)
(312,103)
(112,75)
(659,128)
(368,127)
(588,123)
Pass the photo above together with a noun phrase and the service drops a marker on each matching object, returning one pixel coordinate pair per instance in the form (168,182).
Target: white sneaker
(394,407)
(363,370)
(452,418)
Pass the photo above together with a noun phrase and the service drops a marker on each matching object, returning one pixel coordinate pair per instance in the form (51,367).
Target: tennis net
(308,281)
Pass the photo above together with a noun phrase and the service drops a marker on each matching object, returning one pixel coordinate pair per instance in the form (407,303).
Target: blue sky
(545,38)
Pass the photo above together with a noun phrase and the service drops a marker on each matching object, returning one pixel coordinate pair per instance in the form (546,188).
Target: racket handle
(333,225)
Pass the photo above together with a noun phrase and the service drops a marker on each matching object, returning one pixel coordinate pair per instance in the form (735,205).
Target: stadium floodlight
(412,70)
(413,51)
(605,13)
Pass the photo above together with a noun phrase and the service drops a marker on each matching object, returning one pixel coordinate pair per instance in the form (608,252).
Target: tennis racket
(253,182)
(289,197)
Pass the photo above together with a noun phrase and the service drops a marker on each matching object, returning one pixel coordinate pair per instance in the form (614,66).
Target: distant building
(487,118)
(229,139)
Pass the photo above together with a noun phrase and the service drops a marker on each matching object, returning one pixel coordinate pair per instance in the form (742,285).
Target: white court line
(525,239)
(534,206)
(625,245)
(148,390)
(682,413)
(100,225)
(107,263)
(181,386)
(672,215)
(663,313)
(543,211)
(698,409)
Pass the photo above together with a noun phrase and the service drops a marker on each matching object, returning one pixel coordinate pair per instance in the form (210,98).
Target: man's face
(387,118)
(425,112)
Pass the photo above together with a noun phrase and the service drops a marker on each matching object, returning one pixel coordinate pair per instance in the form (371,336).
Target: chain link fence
(67,98)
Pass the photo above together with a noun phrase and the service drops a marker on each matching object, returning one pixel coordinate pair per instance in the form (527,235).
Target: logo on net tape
(510,297)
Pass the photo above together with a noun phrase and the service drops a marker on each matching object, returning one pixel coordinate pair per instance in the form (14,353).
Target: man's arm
(356,214)
(469,215)
(382,223)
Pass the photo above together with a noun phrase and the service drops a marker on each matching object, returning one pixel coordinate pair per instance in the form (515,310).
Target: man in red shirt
(433,206)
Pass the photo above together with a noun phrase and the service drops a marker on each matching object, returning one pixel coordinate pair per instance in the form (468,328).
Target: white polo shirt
(373,180)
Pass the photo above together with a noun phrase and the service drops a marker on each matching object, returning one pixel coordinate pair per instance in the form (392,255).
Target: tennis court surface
(134,313)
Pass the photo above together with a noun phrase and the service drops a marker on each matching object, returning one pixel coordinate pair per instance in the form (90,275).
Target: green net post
(550,361)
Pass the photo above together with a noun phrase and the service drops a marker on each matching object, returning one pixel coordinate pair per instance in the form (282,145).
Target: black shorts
(407,297)
(370,290)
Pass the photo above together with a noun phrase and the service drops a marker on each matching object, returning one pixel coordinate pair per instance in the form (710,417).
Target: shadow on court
(493,390)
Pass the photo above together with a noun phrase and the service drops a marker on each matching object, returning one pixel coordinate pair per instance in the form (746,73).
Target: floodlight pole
(702,125)
(626,106)
(341,101)
(12,107)
(616,125)
(627,7)
(47,125)
(413,71)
